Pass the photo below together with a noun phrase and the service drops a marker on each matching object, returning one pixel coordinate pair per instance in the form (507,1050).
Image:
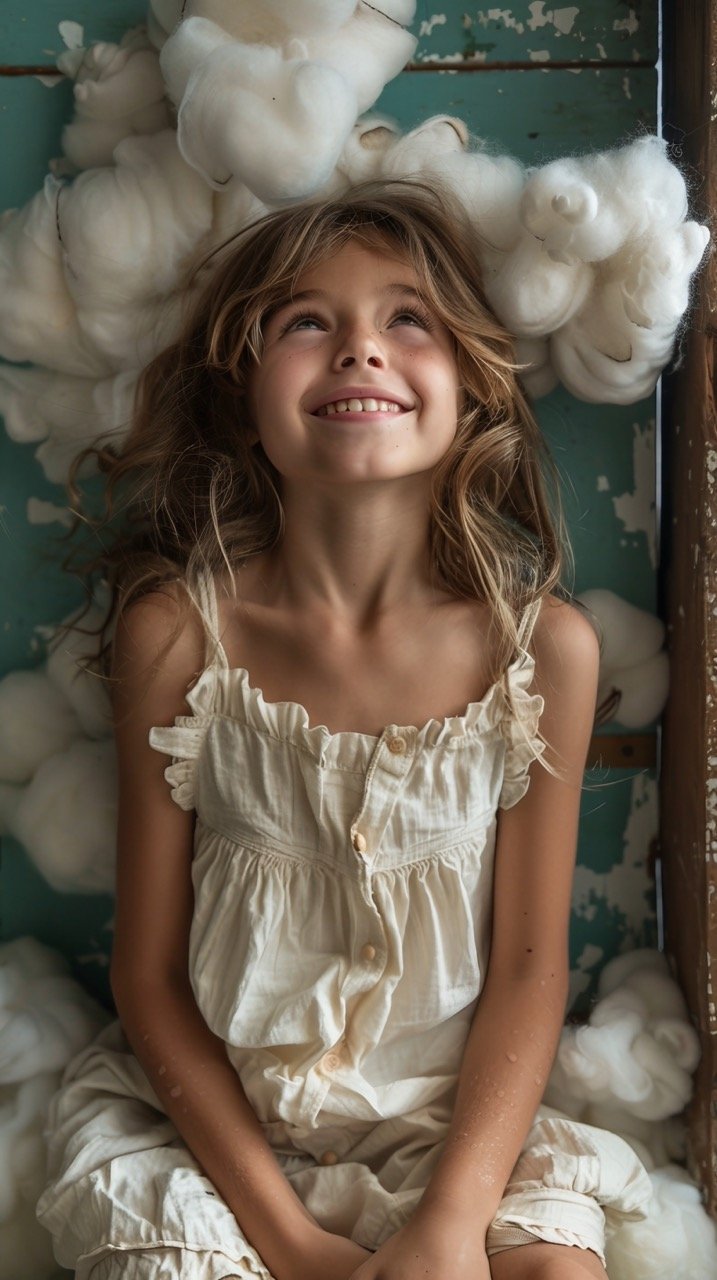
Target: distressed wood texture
(689,761)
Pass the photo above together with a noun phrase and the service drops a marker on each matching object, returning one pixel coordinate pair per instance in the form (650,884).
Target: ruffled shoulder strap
(202,592)
(523,710)
(183,740)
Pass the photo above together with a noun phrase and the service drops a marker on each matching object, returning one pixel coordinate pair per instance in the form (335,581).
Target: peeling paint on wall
(539,55)
(41,512)
(603,484)
(437,20)
(629,25)
(626,890)
(501,15)
(636,510)
(584,970)
(562,19)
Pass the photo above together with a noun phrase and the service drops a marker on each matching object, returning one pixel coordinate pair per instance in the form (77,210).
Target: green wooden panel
(604,452)
(528,32)
(29,33)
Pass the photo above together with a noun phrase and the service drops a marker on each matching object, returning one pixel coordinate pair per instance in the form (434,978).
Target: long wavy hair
(197,495)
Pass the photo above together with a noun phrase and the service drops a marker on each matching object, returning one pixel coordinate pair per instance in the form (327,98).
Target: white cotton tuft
(590,206)
(633,664)
(128,236)
(45,1016)
(638,1050)
(676,1241)
(366,147)
(66,818)
(85,691)
(66,412)
(118,91)
(25,1247)
(36,721)
(532,293)
(38,318)
(45,1019)
(246,113)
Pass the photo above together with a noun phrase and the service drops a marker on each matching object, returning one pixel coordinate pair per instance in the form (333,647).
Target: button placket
(387,769)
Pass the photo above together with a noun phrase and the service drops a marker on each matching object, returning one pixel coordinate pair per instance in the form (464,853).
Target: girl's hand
(325,1256)
(437,1242)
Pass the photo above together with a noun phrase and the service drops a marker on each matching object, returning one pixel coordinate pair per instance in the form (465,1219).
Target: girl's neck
(356,554)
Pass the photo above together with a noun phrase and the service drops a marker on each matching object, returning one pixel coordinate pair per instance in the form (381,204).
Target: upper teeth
(360,406)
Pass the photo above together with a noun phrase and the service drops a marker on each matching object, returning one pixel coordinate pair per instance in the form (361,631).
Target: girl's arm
(186,1064)
(520,1012)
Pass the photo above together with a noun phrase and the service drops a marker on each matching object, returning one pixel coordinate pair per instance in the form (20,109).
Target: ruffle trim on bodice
(183,741)
(507,708)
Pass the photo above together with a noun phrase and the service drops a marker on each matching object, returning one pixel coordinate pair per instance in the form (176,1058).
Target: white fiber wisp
(634,668)
(118,91)
(59,789)
(65,413)
(269,98)
(45,1019)
(676,1241)
(638,1049)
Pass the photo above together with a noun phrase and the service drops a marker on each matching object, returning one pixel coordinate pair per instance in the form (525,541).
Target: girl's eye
(413,315)
(301,320)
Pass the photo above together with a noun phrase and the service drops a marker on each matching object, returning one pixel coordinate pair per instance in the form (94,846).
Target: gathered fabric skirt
(125,1197)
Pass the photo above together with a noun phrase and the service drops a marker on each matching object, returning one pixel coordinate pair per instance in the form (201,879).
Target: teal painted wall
(535,111)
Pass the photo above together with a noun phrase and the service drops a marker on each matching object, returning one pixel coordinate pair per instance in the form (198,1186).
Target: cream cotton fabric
(339,943)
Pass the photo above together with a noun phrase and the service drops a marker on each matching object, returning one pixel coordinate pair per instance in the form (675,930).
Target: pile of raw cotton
(629,1070)
(46,1018)
(189,129)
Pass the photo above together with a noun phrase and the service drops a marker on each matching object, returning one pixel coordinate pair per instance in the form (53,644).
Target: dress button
(329,1157)
(330,1061)
(368,952)
(359,842)
(397,745)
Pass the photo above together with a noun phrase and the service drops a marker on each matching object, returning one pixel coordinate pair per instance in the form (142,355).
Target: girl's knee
(542,1261)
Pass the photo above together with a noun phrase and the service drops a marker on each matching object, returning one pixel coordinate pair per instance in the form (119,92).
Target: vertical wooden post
(689,758)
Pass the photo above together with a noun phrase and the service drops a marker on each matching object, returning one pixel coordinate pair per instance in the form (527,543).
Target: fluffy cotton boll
(591,206)
(67,818)
(534,295)
(632,662)
(538,375)
(623,969)
(118,91)
(273,21)
(45,1016)
(643,692)
(72,412)
(38,320)
(127,231)
(367,52)
(656,286)
(162,18)
(36,721)
(86,692)
(366,146)
(233,209)
(25,1248)
(676,1241)
(188,47)
(602,357)
(425,147)
(278,127)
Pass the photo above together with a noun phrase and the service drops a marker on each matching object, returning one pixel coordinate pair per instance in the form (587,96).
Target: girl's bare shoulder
(565,643)
(158,642)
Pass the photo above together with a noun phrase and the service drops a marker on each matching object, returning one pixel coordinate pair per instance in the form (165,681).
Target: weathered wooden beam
(688,837)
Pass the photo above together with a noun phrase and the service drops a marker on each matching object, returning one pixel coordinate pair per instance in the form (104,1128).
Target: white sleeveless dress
(339,944)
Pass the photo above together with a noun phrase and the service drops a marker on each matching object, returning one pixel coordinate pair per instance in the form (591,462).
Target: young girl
(340,958)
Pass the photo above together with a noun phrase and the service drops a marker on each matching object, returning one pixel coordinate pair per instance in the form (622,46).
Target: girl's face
(357,381)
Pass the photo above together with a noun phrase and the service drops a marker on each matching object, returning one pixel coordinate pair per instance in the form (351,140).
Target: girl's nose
(360,348)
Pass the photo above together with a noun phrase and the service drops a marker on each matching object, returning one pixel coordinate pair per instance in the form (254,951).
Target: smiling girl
(340,959)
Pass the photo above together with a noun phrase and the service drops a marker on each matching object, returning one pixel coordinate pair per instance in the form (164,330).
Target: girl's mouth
(355,407)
